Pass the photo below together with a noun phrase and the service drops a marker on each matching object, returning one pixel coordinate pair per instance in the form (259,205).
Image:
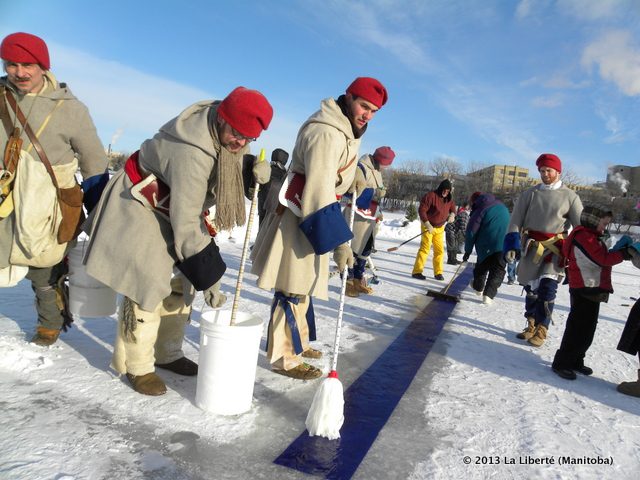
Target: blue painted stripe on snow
(371,399)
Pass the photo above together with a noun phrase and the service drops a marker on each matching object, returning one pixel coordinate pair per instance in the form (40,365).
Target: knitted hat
(25,48)
(370,89)
(474,197)
(279,156)
(592,214)
(549,160)
(384,155)
(247,111)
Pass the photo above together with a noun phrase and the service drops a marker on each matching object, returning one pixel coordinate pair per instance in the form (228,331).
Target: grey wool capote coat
(69,132)
(283,258)
(363,228)
(551,210)
(132,249)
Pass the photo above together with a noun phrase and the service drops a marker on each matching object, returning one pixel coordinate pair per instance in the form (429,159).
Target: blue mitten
(623,242)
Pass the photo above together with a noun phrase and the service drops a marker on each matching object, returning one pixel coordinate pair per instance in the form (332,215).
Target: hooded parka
(134,250)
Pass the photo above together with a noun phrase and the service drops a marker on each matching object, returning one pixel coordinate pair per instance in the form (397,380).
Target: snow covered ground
(481,396)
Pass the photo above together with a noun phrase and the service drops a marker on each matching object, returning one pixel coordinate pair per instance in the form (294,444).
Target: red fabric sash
(132,169)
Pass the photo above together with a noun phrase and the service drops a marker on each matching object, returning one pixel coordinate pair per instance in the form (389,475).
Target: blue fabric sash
(285,303)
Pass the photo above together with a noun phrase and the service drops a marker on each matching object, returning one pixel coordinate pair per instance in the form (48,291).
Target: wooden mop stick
(245,248)
(343,288)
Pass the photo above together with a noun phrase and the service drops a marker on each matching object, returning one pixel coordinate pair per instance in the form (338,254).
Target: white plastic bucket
(88,297)
(228,361)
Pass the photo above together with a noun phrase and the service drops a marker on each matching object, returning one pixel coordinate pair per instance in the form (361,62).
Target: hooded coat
(487,226)
(363,227)
(132,249)
(325,152)
(68,133)
(435,208)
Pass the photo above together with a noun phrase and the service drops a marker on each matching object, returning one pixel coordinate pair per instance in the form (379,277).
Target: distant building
(624,179)
(502,178)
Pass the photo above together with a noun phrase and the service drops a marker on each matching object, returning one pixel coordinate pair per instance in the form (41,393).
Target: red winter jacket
(589,261)
(435,208)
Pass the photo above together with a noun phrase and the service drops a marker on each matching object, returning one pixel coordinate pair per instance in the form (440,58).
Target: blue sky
(478,81)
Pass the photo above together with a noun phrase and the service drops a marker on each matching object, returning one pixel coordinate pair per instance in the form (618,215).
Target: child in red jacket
(589,270)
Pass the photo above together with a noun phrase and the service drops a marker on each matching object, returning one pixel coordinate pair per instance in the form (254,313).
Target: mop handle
(393,249)
(245,248)
(452,278)
(343,288)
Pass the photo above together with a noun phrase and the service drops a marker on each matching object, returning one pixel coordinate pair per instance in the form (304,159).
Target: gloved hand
(627,253)
(261,171)
(451,218)
(359,182)
(428,226)
(465,257)
(343,256)
(510,256)
(380,193)
(213,297)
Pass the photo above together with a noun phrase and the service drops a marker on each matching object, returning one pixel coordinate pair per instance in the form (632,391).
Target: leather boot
(530,329)
(539,336)
(149,384)
(361,286)
(45,336)
(351,290)
(630,388)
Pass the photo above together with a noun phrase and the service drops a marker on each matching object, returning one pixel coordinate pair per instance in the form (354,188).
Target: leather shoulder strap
(4,112)
(32,137)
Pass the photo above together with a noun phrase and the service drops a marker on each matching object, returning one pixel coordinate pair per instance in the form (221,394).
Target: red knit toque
(25,48)
(384,155)
(370,89)
(549,160)
(247,111)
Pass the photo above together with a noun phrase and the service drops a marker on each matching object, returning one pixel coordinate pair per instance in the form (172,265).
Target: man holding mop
(367,216)
(290,252)
(149,237)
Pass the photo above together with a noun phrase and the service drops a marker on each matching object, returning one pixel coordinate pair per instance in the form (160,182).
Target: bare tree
(445,167)
(569,177)
(415,167)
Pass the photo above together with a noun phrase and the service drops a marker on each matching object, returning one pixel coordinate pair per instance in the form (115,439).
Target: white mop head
(326,414)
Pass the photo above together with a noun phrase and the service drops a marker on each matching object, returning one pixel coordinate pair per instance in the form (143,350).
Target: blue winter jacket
(487,226)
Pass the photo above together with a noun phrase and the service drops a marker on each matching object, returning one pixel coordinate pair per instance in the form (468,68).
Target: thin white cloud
(617,59)
(129,106)
(524,8)
(552,101)
(594,10)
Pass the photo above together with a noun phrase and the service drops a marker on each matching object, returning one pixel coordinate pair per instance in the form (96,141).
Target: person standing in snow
(589,272)
(68,139)
(486,230)
(436,209)
(290,252)
(539,222)
(366,216)
(150,240)
(455,234)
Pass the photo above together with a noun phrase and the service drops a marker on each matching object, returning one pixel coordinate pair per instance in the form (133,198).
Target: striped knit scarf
(228,192)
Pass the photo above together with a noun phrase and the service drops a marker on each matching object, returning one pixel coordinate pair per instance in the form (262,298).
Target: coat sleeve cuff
(326,229)
(92,188)
(364,200)
(204,268)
